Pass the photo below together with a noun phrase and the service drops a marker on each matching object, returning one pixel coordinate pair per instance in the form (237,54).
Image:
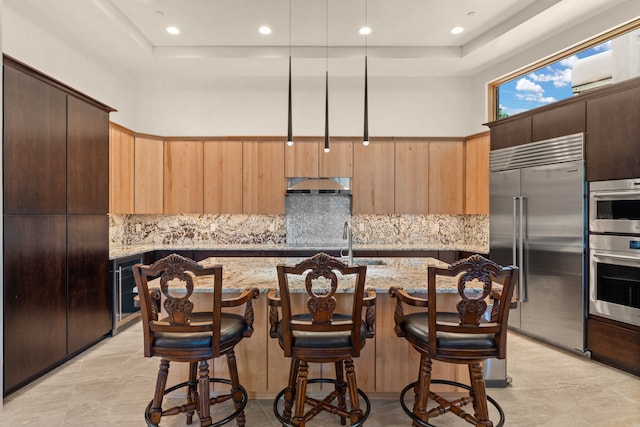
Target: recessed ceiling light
(173,30)
(457,30)
(365,31)
(264,30)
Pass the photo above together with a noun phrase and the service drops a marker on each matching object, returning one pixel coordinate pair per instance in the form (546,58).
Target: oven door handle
(614,256)
(615,194)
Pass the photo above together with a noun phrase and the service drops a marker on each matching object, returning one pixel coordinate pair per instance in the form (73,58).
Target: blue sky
(543,86)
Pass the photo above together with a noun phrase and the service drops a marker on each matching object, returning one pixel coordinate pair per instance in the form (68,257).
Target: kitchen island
(387,363)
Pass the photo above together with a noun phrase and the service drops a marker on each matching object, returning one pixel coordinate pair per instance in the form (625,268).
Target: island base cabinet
(385,366)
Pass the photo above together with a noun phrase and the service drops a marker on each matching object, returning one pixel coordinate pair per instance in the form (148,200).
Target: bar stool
(192,337)
(317,334)
(463,337)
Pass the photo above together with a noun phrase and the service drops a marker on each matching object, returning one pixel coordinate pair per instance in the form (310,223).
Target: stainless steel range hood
(319,185)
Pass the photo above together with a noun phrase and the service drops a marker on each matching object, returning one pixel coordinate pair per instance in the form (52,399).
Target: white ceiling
(409,38)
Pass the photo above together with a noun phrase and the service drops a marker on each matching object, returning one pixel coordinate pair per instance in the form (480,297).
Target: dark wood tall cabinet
(57,298)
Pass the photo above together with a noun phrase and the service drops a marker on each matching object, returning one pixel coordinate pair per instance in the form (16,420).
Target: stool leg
(290,391)
(422,388)
(301,394)
(155,412)
(341,388)
(236,393)
(192,392)
(203,390)
(479,395)
(356,412)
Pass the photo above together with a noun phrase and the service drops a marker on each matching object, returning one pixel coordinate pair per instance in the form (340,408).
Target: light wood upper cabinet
(373,178)
(301,159)
(223,177)
(307,159)
(121,167)
(446,177)
(263,180)
(477,174)
(412,177)
(338,162)
(148,175)
(183,177)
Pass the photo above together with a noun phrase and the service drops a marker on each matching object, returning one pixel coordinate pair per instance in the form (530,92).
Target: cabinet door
(121,168)
(148,173)
(476,175)
(87,158)
(263,181)
(511,132)
(34,145)
(559,121)
(613,132)
(222,177)
(446,169)
(35,297)
(90,298)
(338,162)
(183,177)
(412,177)
(301,159)
(373,178)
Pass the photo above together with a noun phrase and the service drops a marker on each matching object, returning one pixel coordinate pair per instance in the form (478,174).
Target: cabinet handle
(119,292)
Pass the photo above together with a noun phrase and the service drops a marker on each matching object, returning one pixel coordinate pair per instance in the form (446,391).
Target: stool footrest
(446,405)
(192,406)
(324,404)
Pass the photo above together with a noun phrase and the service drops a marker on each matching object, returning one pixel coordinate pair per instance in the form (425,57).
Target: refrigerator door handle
(514,235)
(522,287)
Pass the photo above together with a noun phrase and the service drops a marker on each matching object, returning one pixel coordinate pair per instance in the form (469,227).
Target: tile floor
(111,384)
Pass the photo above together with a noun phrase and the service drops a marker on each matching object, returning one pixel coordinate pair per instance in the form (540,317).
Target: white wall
(258,106)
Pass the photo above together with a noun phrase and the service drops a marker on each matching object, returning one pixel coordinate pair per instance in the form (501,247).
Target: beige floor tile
(111,384)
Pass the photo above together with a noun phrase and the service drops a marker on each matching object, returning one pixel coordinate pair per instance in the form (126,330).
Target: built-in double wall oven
(614,250)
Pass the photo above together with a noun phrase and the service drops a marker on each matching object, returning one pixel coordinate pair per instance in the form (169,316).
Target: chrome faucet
(348,235)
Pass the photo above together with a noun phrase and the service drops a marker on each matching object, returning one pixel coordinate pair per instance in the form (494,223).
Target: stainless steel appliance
(615,277)
(537,222)
(614,206)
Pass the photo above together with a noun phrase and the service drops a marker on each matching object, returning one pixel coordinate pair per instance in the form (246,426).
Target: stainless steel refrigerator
(538,222)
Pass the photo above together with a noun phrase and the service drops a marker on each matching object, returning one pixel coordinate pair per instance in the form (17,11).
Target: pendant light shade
(290,122)
(326,114)
(289,118)
(326,80)
(365,139)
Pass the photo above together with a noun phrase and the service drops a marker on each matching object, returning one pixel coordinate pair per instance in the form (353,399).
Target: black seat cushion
(305,339)
(416,327)
(232,327)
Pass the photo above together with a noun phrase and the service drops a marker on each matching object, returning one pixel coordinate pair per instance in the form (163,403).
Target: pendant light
(326,97)
(367,30)
(290,121)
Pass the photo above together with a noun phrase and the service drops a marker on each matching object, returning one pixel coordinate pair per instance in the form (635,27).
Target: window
(612,57)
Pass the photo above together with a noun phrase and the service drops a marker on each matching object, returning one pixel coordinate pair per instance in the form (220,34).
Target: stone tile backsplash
(427,231)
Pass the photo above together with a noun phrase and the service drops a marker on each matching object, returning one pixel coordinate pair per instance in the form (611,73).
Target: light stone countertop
(240,273)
